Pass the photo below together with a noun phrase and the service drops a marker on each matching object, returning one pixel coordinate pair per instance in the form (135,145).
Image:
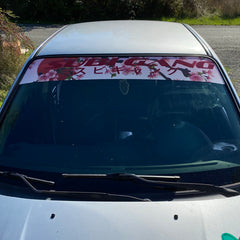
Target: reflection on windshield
(77,125)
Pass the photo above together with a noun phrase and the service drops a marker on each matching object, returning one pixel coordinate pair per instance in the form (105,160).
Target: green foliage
(229,8)
(3,94)
(84,10)
(67,11)
(11,59)
(10,65)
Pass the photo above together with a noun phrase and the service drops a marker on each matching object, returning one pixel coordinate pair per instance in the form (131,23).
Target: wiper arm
(96,196)
(164,182)
(26,179)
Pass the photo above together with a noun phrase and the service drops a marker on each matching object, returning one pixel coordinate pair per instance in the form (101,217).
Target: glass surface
(143,126)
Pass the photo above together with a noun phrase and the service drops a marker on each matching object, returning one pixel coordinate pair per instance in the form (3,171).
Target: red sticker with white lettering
(197,69)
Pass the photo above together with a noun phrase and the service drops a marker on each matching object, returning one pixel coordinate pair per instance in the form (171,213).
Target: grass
(211,20)
(228,70)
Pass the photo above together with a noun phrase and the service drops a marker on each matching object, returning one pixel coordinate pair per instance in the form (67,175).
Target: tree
(11,32)
(11,59)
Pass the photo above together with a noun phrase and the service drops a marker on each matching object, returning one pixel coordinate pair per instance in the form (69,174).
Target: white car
(121,130)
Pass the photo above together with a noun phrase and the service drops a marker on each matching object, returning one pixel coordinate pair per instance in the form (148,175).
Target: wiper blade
(163,182)
(121,175)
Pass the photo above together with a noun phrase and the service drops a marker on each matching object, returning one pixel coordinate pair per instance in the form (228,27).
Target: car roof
(124,37)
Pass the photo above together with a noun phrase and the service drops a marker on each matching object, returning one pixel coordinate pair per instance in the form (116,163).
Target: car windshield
(142,115)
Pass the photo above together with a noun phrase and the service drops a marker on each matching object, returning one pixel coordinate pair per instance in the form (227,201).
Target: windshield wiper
(76,194)
(123,176)
(147,180)
(96,196)
(26,178)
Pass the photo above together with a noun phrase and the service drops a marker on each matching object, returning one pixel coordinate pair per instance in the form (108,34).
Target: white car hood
(27,219)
